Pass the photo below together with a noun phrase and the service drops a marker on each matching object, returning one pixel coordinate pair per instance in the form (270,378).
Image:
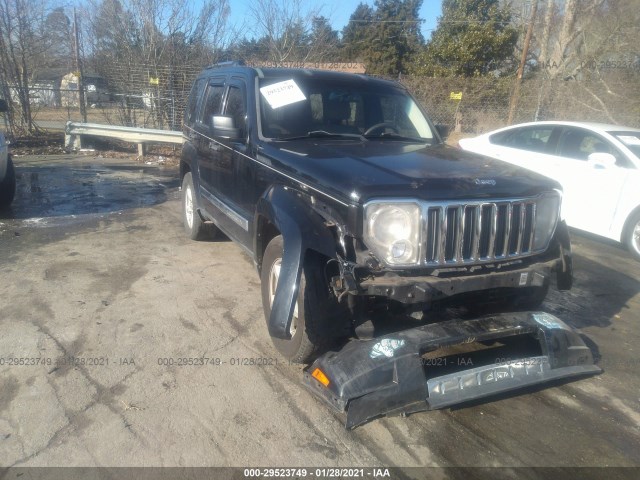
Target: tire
(193,224)
(317,309)
(631,236)
(8,185)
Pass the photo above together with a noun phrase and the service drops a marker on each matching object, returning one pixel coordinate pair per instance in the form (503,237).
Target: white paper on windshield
(282,93)
(629,139)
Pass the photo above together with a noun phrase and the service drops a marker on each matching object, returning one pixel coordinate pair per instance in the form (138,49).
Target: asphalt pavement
(103,301)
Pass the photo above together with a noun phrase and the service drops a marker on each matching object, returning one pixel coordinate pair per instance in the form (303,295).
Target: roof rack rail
(229,63)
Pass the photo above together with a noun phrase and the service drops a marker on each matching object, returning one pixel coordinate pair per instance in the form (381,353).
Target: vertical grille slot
(459,234)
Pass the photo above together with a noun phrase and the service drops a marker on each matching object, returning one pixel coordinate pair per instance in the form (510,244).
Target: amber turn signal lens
(320,376)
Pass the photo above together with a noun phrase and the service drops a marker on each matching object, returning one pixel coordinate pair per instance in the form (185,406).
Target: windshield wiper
(396,136)
(325,134)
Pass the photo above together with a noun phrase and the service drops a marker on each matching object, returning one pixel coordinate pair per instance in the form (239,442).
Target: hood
(390,168)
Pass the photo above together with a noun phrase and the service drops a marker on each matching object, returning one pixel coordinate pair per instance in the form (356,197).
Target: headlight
(547,213)
(392,231)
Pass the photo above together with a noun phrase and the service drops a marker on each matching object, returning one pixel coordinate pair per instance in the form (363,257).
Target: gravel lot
(99,285)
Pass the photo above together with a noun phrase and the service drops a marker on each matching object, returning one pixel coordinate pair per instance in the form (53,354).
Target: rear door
(207,148)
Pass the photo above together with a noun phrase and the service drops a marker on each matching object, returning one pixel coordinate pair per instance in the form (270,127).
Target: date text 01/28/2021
(373,472)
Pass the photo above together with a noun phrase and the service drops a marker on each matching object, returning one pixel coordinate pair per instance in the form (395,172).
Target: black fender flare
(189,163)
(302,229)
(565,273)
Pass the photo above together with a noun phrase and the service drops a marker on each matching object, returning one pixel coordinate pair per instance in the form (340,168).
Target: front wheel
(8,185)
(632,235)
(193,224)
(316,308)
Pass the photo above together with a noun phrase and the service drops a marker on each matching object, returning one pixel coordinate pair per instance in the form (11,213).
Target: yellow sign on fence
(154,80)
(455,96)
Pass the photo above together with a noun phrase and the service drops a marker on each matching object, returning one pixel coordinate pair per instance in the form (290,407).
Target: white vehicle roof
(598,127)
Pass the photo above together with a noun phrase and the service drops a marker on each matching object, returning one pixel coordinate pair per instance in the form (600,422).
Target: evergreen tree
(473,38)
(384,37)
(356,35)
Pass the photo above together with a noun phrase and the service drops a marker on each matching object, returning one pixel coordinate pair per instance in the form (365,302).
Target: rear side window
(196,91)
(531,139)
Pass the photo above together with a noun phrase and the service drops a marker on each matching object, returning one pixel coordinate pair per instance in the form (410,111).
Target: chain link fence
(155,97)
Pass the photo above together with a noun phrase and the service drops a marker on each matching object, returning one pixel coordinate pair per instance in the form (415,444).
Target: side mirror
(3,106)
(223,127)
(601,160)
(443,131)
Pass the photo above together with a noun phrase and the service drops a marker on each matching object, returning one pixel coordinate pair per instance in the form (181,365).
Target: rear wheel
(193,224)
(316,310)
(632,235)
(8,185)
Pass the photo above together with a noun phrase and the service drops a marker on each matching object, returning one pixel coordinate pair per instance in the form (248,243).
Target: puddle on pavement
(61,192)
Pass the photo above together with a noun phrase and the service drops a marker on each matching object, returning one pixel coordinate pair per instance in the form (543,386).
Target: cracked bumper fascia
(367,381)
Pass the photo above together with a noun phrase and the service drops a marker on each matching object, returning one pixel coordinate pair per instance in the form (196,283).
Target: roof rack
(230,63)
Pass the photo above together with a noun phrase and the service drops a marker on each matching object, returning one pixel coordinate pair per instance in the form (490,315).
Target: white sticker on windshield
(282,93)
(629,139)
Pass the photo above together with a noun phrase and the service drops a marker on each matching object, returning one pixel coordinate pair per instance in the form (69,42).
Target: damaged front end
(447,363)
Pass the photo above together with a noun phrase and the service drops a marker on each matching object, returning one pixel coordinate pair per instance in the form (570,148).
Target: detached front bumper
(389,376)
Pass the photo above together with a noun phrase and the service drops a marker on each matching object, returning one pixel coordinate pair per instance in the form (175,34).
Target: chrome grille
(477,232)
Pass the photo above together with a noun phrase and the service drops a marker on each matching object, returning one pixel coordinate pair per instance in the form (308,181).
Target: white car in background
(7,173)
(597,165)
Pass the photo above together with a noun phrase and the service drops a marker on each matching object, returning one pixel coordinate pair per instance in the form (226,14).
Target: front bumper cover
(388,376)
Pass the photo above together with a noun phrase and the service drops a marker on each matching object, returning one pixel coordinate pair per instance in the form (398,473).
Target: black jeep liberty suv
(346,197)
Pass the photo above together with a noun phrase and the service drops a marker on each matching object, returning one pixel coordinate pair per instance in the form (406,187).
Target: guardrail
(74,132)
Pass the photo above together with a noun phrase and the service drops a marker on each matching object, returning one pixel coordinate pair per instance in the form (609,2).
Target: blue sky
(339,11)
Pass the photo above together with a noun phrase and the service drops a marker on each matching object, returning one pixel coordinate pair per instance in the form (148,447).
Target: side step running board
(394,374)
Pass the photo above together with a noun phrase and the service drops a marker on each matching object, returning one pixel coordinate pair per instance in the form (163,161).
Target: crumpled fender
(302,229)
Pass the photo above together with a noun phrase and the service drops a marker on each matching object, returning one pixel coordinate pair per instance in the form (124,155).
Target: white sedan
(597,165)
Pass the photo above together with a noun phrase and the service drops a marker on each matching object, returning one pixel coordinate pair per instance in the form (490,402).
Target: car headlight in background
(392,231)
(547,214)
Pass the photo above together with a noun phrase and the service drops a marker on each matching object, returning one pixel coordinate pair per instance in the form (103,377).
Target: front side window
(213,102)
(236,109)
(578,144)
(291,108)
(630,139)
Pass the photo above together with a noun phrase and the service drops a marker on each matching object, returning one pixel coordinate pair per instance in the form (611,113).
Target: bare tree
(23,48)
(578,43)
(290,31)
(147,49)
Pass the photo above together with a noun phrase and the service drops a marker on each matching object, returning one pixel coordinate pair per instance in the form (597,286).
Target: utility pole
(78,61)
(513,104)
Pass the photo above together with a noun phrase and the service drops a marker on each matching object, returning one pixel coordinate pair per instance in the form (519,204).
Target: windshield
(630,139)
(293,108)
